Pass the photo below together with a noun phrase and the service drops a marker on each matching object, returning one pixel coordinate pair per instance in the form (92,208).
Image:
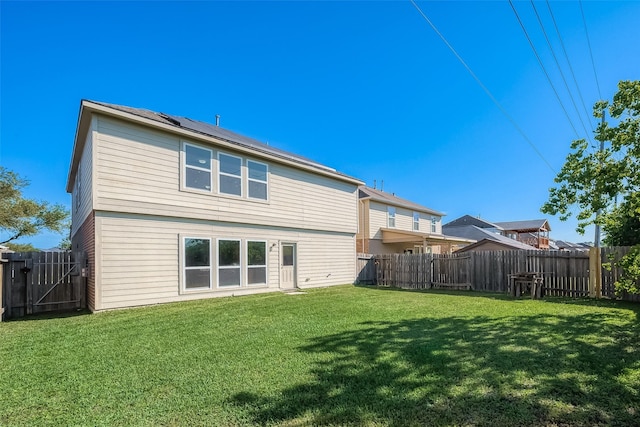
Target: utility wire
(495,101)
(566,85)
(573,75)
(544,70)
(584,21)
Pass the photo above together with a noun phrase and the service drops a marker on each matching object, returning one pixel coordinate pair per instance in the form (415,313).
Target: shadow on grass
(51,315)
(503,296)
(537,370)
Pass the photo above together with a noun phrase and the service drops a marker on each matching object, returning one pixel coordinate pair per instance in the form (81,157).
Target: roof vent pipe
(382,185)
(374,184)
(217,119)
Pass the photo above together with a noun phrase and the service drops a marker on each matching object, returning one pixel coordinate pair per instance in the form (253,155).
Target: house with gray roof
(390,224)
(498,235)
(171,209)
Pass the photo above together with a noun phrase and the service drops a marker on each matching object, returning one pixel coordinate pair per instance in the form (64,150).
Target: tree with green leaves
(22,217)
(604,184)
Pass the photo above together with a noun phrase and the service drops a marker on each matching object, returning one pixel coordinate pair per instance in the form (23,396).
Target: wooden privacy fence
(39,282)
(567,274)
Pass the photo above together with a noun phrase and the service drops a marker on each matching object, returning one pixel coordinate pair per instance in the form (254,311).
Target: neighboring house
(172,209)
(533,232)
(487,239)
(390,224)
(562,245)
(468,220)
(495,243)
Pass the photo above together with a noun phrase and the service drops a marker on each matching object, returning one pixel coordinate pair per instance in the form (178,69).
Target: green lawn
(337,356)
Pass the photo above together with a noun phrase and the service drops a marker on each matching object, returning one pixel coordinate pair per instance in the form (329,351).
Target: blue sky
(365,87)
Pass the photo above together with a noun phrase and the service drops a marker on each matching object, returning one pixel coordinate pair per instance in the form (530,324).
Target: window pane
(257,275)
(230,185)
(256,253)
(258,190)
(228,252)
(230,165)
(287,255)
(229,276)
(196,252)
(257,171)
(197,278)
(198,157)
(198,179)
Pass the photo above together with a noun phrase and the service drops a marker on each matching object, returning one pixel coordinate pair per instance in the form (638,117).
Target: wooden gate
(39,282)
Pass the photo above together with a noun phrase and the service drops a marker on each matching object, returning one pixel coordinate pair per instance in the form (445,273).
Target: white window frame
(220,174)
(266,262)
(185,166)
(416,221)
(266,181)
(184,268)
(219,267)
(391,216)
(434,224)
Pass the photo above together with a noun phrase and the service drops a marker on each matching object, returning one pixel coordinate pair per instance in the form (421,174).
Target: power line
(584,21)
(544,70)
(495,101)
(573,75)
(566,85)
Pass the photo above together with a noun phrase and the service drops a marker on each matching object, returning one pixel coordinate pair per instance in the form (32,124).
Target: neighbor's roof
(476,233)
(470,220)
(194,127)
(509,244)
(391,199)
(528,225)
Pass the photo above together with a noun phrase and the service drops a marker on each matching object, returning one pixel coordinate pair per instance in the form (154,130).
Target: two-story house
(172,209)
(390,224)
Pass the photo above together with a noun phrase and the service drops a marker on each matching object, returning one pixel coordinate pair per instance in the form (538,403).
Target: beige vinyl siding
(377,219)
(404,219)
(139,171)
(140,257)
(84,240)
(85,175)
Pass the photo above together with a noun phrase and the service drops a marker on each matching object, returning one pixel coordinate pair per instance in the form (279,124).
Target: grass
(337,356)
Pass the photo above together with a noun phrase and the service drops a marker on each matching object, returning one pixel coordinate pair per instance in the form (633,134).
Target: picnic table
(526,281)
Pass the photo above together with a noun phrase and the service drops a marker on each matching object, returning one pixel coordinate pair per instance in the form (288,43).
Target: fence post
(595,273)
(2,262)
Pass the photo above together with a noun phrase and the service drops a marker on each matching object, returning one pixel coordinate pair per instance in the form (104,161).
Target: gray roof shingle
(477,233)
(527,225)
(393,200)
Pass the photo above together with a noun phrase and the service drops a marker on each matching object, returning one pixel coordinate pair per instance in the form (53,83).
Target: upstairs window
(197,168)
(391,217)
(257,180)
(416,221)
(434,224)
(230,174)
